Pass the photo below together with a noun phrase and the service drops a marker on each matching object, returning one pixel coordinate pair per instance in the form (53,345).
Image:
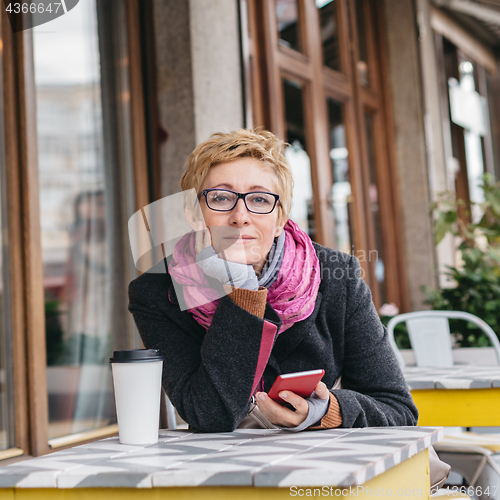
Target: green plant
(401,336)
(53,332)
(83,349)
(77,348)
(476,280)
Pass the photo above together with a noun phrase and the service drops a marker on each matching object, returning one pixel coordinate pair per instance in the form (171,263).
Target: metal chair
(475,457)
(172,423)
(167,412)
(430,337)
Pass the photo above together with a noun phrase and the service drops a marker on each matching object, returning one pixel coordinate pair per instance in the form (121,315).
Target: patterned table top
(455,377)
(245,457)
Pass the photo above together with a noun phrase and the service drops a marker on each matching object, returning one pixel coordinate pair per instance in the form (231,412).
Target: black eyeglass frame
(238,196)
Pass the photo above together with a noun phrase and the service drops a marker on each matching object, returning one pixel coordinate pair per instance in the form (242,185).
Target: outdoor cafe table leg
(409,479)
(458,407)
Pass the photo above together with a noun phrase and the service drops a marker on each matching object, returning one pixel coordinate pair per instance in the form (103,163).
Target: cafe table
(244,464)
(461,395)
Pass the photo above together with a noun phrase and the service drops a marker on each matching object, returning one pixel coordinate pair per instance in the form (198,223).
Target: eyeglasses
(224,200)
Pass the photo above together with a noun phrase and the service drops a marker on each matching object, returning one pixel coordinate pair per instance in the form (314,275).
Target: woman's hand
(203,239)
(279,415)
(230,274)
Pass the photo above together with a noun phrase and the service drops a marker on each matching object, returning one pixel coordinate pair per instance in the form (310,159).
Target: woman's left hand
(280,415)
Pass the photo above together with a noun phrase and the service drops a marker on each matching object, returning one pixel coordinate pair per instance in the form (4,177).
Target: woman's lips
(242,239)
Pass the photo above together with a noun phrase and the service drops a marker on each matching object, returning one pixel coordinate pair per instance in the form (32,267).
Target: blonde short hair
(243,143)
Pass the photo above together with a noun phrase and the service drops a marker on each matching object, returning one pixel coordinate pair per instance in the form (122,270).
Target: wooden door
(318,82)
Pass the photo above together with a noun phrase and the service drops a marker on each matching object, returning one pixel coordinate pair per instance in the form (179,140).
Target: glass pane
(74,211)
(6,386)
(469,110)
(288,19)
(362,63)
(378,254)
(329,33)
(5,392)
(341,188)
(302,207)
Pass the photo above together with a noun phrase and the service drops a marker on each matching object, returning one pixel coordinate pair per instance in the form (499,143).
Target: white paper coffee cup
(137,384)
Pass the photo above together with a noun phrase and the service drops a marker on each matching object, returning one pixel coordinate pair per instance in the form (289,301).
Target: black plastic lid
(135,355)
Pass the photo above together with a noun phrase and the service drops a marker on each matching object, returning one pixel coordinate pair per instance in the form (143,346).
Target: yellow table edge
(458,407)
(408,480)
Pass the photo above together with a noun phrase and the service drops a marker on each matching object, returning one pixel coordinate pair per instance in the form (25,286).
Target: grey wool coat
(210,375)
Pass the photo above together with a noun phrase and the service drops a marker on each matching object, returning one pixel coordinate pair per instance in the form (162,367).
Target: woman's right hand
(230,274)
(284,417)
(203,239)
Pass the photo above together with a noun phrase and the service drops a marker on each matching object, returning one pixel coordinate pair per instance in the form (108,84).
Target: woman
(291,305)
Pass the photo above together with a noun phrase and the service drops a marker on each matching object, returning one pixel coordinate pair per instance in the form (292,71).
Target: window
(302,211)
(8,445)
(7,436)
(341,187)
(321,91)
(288,21)
(469,83)
(74,222)
(74,148)
(330,39)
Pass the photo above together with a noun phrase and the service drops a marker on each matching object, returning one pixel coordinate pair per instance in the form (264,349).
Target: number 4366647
(33,8)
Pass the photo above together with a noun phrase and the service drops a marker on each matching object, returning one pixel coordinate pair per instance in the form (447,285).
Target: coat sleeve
(374,392)
(209,379)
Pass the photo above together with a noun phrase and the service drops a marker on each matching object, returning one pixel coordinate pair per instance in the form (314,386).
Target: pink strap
(266,346)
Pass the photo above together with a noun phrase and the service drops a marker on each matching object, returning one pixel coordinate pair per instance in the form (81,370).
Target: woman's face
(243,236)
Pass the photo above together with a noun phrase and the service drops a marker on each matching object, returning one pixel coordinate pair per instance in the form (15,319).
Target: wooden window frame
(373,101)
(14,218)
(269,61)
(26,272)
(28,317)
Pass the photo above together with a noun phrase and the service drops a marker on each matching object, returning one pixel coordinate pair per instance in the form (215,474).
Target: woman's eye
(260,200)
(219,198)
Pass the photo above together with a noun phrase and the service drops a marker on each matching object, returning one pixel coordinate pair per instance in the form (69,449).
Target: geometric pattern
(455,377)
(244,457)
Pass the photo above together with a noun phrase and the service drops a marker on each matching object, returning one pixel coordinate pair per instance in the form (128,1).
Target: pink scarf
(292,295)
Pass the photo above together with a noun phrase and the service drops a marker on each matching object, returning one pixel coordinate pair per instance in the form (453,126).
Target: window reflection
(373,195)
(329,33)
(469,111)
(6,385)
(341,188)
(302,211)
(287,18)
(73,215)
(6,393)
(362,63)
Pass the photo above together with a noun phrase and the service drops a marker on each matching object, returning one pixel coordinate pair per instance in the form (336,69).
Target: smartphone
(301,383)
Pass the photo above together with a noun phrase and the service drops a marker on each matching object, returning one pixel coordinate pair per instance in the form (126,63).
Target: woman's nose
(239,215)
